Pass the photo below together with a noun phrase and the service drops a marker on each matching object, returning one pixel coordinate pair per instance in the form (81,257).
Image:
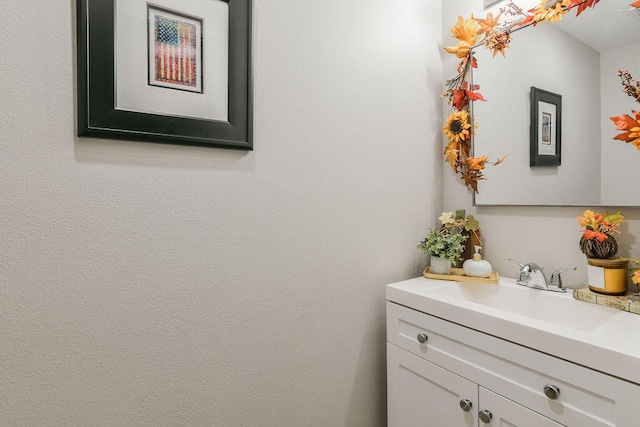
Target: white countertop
(595,336)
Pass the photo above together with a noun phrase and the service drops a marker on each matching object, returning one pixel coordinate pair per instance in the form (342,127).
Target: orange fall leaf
(502,159)
(471,182)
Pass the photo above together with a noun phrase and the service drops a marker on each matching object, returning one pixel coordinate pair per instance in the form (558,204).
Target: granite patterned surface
(629,302)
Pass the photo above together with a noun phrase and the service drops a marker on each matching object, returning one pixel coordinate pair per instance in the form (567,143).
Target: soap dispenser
(477,267)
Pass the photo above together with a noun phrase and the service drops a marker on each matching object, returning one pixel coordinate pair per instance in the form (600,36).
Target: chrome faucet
(532,276)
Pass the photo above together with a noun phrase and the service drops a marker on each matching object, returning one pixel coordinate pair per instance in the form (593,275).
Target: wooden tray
(457,275)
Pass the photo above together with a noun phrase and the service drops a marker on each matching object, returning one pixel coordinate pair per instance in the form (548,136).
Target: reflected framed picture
(169,71)
(545,128)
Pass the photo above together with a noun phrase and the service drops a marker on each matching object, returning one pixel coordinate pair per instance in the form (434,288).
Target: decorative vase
(607,276)
(593,248)
(440,265)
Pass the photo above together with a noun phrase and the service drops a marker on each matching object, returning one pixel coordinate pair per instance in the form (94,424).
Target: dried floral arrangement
(597,239)
(455,228)
(630,125)
(448,240)
(459,222)
(494,36)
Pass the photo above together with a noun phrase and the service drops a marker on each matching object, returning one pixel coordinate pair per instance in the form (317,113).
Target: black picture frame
(545,128)
(98,117)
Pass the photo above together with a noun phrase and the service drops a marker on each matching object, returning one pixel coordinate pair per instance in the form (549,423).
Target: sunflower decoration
(495,36)
(458,127)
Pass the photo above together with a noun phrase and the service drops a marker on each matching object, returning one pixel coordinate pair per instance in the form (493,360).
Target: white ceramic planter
(440,265)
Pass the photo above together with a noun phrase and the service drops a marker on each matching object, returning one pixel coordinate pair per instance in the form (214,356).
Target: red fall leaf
(461,97)
(582,5)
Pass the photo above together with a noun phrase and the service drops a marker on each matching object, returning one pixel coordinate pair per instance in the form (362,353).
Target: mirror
(579,59)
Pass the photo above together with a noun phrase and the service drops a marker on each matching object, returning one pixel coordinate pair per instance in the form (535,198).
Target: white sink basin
(598,337)
(557,308)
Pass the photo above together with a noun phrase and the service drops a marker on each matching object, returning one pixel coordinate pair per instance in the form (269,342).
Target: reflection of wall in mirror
(620,161)
(569,68)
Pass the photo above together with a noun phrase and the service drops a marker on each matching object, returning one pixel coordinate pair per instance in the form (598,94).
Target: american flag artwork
(176,52)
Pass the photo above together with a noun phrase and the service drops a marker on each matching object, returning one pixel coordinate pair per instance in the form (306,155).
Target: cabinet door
(504,412)
(420,393)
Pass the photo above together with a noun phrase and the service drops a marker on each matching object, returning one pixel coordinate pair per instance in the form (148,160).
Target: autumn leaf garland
(490,33)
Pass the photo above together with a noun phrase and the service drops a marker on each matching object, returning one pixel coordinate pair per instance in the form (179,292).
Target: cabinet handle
(422,338)
(465,405)
(551,391)
(485,416)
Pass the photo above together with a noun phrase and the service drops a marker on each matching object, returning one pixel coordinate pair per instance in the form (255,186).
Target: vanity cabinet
(442,374)
(424,394)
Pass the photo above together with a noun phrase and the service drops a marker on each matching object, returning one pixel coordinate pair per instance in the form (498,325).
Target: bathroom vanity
(475,354)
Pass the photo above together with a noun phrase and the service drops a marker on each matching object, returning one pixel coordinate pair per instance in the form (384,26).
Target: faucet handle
(555,282)
(516,262)
(524,274)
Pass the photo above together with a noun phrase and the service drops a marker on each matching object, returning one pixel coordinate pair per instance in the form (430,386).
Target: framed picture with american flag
(170,71)
(175,50)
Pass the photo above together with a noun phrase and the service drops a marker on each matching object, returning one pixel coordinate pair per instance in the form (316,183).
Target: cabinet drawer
(586,397)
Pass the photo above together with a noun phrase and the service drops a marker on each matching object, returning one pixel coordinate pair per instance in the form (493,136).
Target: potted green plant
(445,245)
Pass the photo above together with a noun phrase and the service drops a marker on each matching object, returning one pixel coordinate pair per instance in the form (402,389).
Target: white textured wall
(145,284)
(548,236)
